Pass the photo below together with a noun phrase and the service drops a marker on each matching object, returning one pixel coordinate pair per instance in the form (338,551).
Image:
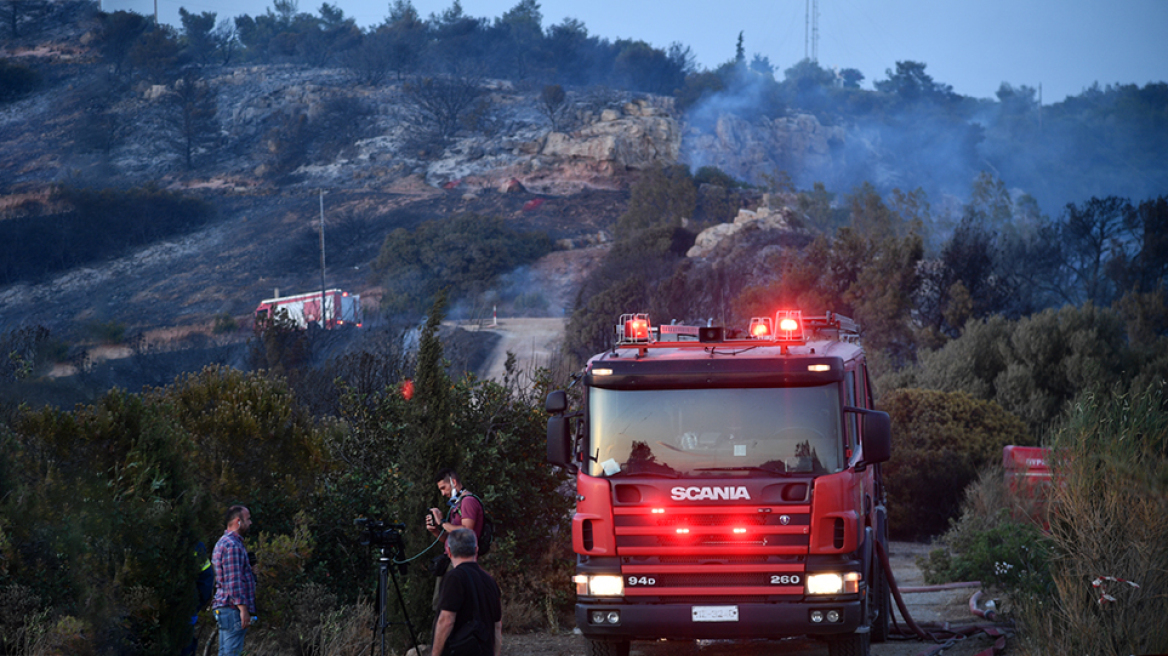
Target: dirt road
(948,606)
(533,341)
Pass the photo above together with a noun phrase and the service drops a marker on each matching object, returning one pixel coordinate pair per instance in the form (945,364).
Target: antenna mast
(811,31)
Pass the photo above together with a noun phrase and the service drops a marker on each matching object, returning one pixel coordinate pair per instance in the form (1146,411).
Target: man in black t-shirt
(470,618)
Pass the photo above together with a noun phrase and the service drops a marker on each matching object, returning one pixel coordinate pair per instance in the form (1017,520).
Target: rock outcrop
(750,150)
(636,137)
(782,219)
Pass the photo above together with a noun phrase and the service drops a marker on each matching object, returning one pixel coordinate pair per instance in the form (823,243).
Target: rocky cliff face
(752,150)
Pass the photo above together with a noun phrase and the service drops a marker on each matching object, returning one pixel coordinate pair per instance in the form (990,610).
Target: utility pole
(323,320)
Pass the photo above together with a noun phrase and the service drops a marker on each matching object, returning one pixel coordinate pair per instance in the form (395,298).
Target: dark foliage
(463,254)
(97,225)
(943,441)
(16,81)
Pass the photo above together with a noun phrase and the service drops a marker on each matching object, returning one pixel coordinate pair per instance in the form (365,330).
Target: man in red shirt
(234,600)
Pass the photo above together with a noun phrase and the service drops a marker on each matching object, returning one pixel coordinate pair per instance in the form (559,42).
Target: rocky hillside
(283,134)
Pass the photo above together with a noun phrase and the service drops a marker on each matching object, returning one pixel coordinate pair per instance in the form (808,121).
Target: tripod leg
(405,614)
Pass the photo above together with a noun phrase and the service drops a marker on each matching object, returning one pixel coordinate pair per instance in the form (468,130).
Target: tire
(881,604)
(608,648)
(851,644)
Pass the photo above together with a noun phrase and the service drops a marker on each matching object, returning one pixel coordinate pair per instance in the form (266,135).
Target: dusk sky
(1064,45)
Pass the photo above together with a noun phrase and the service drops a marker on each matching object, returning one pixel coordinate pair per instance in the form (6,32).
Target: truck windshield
(715,432)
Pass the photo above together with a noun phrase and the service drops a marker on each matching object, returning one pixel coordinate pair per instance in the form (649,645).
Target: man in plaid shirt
(234,601)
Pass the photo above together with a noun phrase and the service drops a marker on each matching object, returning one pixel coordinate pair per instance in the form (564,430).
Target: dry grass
(1109,517)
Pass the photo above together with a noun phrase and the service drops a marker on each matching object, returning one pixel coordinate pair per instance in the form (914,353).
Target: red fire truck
(340,309)
(728,485)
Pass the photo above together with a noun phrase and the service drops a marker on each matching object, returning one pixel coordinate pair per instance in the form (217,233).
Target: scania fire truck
(728,485)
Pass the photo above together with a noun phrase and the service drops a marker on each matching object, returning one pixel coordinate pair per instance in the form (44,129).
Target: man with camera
(465,509)
(470,618)
(234,600)
(466,512)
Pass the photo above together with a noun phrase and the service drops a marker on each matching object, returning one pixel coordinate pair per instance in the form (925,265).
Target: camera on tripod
(383,535)
(388,538)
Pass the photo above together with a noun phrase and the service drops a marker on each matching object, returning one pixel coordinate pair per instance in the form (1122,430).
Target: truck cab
(728,485)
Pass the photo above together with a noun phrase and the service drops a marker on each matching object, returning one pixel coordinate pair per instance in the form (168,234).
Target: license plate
(715,613)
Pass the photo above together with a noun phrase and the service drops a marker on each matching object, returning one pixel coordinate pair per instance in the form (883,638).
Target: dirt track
(533,341)
(948,606)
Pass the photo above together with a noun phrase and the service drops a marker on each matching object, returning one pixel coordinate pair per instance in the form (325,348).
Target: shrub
(108,332)
(253,443)
(1108,512)
(941,441)
(102,523)
(224,323)
(463,254)
(16,80)
(992,543)
(96,225)
(715,176)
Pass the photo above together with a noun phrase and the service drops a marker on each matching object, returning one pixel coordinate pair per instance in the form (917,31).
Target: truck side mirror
(877,437)
(559,442)
(557,402)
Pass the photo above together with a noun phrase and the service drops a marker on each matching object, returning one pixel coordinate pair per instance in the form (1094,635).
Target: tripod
(383,577)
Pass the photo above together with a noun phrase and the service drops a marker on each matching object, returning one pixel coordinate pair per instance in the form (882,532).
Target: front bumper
(650,621)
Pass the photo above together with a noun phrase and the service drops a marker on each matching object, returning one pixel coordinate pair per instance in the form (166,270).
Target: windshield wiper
(749,468)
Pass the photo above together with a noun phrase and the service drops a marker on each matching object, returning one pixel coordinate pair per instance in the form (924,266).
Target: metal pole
(323,320)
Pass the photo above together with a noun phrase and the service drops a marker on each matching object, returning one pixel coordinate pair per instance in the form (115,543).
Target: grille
(722,580)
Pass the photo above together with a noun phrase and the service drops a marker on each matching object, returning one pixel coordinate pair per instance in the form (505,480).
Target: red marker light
(788,325)
(760,330)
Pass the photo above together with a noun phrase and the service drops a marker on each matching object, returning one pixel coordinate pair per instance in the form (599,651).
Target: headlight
(825,584)
(606,586)
(828,584)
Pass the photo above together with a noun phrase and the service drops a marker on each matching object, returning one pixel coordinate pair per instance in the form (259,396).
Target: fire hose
(944,634)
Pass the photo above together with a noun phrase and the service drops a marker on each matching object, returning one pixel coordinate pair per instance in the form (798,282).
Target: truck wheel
(881,603)
(851,644)
(608,648)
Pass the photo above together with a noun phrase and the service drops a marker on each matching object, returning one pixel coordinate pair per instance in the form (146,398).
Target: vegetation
(1067,587)
(93,225)
(943,441)
(16,81)
(463,254)
(100,507)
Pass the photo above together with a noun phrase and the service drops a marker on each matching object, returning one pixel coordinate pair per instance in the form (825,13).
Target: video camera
(381,534)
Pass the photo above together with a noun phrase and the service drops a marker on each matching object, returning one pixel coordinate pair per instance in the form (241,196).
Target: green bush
(715,176)
(1035,366)
(995,541)
(940,442)
(100,516)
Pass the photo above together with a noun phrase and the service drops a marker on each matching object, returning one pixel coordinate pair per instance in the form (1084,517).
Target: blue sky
(1064,46)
